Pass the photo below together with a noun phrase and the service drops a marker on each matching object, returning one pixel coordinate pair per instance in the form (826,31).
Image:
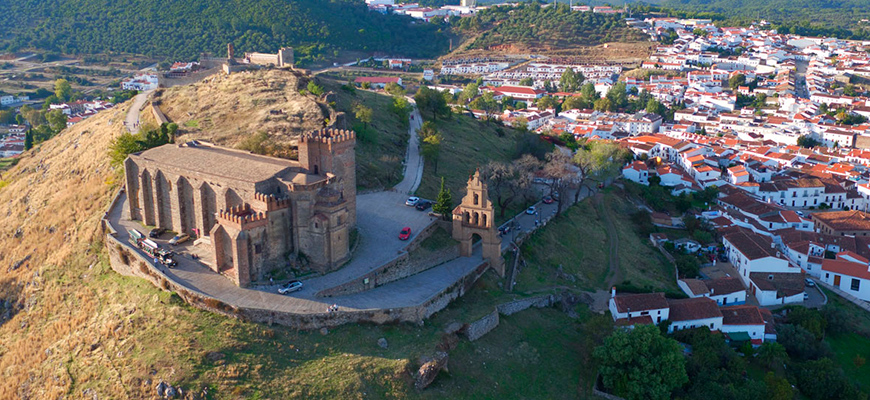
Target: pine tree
(28,140)
(444,203)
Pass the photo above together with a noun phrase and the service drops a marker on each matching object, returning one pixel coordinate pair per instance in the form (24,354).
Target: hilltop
(227,109)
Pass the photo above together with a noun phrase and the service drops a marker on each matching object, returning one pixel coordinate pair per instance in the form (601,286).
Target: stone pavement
(380,217)
(132,120)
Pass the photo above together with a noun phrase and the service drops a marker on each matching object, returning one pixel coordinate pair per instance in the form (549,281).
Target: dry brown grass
(227,109)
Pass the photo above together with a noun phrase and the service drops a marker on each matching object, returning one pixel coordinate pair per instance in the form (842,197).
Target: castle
(257,212)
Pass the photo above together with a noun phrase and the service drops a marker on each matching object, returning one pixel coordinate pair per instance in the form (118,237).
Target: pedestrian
(271,281)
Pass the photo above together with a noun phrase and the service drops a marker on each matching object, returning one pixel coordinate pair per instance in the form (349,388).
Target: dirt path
(132,121)
(615,274)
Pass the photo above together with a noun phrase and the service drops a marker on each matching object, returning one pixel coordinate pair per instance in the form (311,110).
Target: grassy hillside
(536,27)
(184,29)
(579,242)
(381,151)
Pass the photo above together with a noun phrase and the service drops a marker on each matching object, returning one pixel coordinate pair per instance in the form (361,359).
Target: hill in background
(183,29)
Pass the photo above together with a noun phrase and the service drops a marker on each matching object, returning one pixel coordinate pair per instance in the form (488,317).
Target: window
(856,284)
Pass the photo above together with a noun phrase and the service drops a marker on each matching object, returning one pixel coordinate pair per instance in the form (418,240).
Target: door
(837,281)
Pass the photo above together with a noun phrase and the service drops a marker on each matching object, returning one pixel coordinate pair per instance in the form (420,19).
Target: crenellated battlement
(270,202)
(329,136)
(242,217)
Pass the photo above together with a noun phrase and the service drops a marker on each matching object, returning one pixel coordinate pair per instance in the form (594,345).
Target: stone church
(258,212)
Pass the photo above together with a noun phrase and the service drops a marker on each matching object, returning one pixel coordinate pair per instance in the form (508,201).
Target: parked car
(531,210)
(179,239)
(423,205)
(810,282)
(412,201)
(548,200)
(806,296)
(156,232)
(290,287)
(405,233)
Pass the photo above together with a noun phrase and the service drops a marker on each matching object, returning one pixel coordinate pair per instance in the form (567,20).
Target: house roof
(845,267)
(844,220)
(693,309)
(741,315)
(640,302)
(753,246)
(696,286)
(784,283)
(377,79)
(720,286)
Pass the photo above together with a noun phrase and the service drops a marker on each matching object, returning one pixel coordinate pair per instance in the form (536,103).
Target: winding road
(132,120)
(413,173)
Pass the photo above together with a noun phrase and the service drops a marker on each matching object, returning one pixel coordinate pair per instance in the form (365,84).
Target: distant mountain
(182,29)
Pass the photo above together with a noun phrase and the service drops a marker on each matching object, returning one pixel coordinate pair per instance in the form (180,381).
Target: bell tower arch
(475,215)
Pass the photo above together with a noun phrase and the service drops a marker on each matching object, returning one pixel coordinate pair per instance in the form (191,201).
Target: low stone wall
(158,115)
(516,306)
(398,268)
(477,329)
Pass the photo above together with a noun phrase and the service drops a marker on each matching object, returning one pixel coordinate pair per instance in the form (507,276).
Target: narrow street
(132,120)
(413,173)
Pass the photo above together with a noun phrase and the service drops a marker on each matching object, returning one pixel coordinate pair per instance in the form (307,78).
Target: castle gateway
(258,212)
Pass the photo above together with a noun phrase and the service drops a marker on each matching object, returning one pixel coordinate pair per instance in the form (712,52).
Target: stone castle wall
(477,329)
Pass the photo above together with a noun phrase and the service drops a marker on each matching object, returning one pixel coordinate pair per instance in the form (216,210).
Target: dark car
(156,232)
(423,205)
(405,233)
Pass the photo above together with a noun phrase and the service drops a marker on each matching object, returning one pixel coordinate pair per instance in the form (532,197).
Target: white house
(643,308)
(743,319)
(849,276)
(141,82)
(694,313)
(636,172)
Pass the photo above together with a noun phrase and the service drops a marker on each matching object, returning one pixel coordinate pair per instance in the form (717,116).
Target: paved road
(524,222)
(132,120)
(413,173)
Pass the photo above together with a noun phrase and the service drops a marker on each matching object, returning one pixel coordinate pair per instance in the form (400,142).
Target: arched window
(484,220)
(476,199)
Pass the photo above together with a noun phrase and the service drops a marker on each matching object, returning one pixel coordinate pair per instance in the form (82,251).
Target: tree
(736,81)
(603,104)
(778,388)
(822,379)
(654,107)
(812,320)
(469,93)
(597,161)
(56,120)
(641,363)
(401,107)
(363,114)
(546,102)
(588,92)
(28,139)
(7,117)
(444,203)
(508,182)
(574,102)
(62,89)
(394,89)
(807,141)
(527,82)
(570,82)
(771,354)
(366,85)
(122,146)
(432,101)
(430,145)
(617,95)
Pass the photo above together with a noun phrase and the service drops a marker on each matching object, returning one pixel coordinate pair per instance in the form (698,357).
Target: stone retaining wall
(516,306)
(127,260)
(477,329)
(158,115)
(398,268)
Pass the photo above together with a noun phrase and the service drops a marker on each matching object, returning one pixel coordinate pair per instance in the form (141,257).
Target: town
(556,222)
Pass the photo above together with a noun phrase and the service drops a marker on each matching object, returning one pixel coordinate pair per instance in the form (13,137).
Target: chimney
(613,291)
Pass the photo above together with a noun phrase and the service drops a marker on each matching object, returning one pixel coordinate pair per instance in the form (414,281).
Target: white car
(531,210)
(290,287)
(412,201)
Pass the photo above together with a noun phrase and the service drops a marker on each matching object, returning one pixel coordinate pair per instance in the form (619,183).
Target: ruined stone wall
(477,329)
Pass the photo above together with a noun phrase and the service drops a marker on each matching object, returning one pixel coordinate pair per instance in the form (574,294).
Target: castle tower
(475,216)
(331,151)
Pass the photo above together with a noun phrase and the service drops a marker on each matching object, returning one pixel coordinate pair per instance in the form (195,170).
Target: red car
(405,233)
(548,200)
